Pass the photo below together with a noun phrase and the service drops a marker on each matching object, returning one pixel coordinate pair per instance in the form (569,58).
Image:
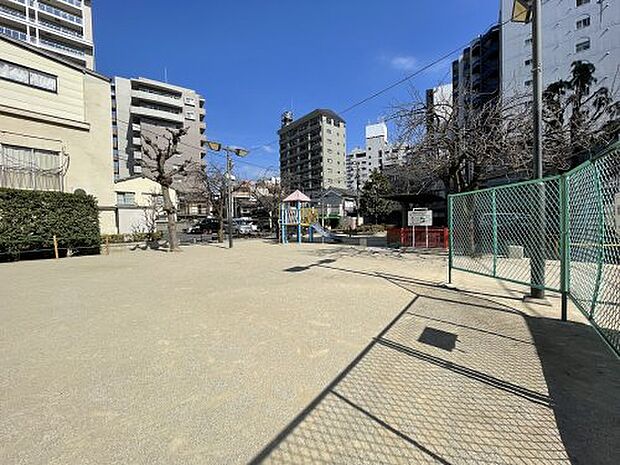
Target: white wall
(560,36)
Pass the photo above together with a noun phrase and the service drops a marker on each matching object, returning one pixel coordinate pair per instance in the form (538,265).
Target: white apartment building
(312,152)
(63,27)
(586,30)
(377,154)
(146,107)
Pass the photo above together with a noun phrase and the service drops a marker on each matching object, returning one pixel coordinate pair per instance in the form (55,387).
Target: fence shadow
(455,378)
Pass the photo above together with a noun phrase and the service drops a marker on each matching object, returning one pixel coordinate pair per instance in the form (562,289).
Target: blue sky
(253,59)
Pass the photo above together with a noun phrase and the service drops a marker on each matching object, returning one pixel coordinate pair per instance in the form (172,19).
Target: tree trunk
(220,217)
(173,241)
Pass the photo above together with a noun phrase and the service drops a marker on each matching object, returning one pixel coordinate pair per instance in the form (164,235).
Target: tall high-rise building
(378,154)
(312,151)
(143,106)
(585,30)
(476,74)
(63,27)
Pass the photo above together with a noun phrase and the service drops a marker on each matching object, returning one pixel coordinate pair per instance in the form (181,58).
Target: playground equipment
(295,212)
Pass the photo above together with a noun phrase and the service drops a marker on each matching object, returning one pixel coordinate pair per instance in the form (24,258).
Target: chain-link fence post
(564,247)
(450,239)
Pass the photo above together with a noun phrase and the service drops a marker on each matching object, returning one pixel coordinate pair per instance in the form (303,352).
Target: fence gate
(560,233)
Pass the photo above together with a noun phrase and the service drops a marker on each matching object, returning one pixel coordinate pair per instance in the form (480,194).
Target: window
(190,115)
(528,62)
(31,168)
(583,23)
(528,41)
(126,198)
(582,46)
(582,2)
(528,83)
(27,76)
(190,101)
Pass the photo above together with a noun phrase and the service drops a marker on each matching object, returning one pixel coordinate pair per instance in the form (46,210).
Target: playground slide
(322,232)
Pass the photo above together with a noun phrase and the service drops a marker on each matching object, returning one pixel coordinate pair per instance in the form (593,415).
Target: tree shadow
(511,389)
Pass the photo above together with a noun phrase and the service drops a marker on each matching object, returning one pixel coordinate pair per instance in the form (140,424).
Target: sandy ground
(292,354)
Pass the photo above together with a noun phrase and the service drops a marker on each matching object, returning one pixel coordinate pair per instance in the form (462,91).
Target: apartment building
(63,27)
(312,152)
(476,73)
(377,154)
(146,107)
(585,30)
(56,127)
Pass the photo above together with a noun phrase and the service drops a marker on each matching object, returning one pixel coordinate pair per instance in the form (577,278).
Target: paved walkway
(291,355)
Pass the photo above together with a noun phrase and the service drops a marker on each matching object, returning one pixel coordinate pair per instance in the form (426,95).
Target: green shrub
(133,237)
(30,219)
(370,228)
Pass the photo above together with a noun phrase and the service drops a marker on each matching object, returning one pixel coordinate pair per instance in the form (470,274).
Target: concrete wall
(76,120)
(130,219)
(560,35)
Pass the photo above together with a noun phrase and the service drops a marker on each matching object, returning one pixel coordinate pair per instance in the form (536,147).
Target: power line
(359,102)
(402,80)
(390,86)
(200,149)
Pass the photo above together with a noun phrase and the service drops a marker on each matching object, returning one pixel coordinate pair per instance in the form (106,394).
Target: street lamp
(240,152)
(526,11)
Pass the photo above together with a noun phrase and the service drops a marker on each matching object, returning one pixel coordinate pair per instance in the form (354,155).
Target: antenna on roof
(166,74)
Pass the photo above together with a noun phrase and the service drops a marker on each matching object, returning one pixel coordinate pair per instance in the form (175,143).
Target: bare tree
(210,184)
(158,152)
(152,213)
(269,193)
(461,144)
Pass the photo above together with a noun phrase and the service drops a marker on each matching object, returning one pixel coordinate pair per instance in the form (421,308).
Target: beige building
(146,108)
(139,204)
(63,27)
(312,152)
(55,126)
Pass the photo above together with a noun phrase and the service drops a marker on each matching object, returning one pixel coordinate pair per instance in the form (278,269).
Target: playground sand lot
(206,356)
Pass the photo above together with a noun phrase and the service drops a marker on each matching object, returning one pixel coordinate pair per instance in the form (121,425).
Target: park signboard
(420,217)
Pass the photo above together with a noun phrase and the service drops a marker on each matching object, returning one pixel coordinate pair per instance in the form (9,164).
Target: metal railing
(558,233)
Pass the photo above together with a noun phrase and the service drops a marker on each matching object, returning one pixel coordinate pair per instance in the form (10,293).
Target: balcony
(70,5)
(157,114)
(57,13)
(157,98)
(65,32)
(137,141)
(10,13)
(57,47)
(137,155)
(135,127)
(13,33)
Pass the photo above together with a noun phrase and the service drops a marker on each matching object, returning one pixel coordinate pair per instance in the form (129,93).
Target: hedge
(30,219)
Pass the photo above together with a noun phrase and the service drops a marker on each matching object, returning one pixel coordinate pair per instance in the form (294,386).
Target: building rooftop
(311,115)
(52,56)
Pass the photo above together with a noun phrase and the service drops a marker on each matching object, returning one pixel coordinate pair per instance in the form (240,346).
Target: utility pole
(530,11)
(240,152)
(230,199)
(538,260)
(357,194)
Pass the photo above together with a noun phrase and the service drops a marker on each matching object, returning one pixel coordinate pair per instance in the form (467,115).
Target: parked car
(244,226)
(205,226)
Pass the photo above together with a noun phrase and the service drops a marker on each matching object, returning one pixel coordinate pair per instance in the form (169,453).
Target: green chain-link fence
(558,233)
